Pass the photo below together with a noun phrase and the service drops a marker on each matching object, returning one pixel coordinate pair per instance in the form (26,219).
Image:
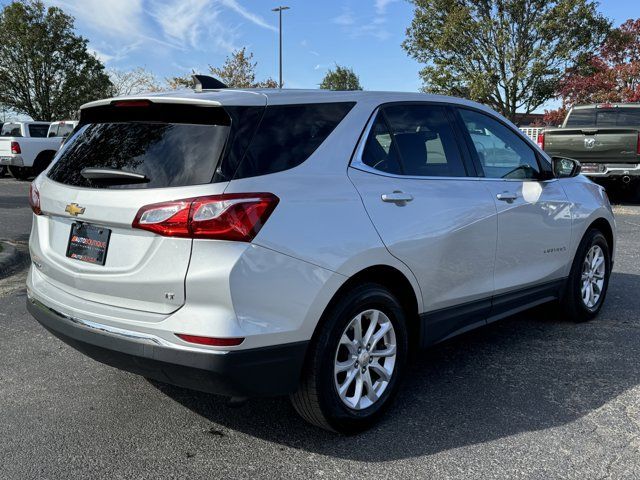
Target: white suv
(268,242)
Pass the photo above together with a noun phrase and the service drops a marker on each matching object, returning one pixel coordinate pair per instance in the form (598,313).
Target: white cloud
(381,6)
(103,57)
(114,17)
(345,18)
(183,21)
(252,17)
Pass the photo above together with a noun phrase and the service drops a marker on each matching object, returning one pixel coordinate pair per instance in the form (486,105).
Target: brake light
(236,216)
(34,199)
(131,103)
(212,341)
(15,148)
(540,140)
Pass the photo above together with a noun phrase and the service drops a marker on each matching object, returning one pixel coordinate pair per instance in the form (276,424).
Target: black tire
(3,171)
(572,301)
(317,399)
(20,173)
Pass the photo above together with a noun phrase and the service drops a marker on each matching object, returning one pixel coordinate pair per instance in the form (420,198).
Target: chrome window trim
(358,164)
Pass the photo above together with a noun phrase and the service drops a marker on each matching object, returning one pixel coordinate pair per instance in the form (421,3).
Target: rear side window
(377,151)
(38,131)
(425,141)
(288,135)
(168,153)
(414,140)
(582,118)
(11,130)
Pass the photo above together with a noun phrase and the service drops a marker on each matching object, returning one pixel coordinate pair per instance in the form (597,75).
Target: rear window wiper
(111,175)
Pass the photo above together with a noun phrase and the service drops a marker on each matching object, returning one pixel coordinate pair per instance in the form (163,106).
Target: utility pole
(279,10)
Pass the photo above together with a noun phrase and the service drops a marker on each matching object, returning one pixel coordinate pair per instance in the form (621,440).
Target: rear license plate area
(88,243)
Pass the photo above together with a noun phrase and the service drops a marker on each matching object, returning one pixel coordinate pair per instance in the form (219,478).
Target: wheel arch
(44,156)
(397,283)
(605,227)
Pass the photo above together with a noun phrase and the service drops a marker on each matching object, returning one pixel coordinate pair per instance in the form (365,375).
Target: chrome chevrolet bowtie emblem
(74,209)
(589,143)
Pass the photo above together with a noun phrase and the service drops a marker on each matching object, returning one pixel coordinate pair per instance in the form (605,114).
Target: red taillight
(540,140)
(15,148)
(235,216)
(34,199)
(212,341)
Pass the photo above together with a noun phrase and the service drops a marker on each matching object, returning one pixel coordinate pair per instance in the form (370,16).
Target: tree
(46,71)
(176,83)
(342,78)
(239,71)
(508,54)
(131,82)
(611,75)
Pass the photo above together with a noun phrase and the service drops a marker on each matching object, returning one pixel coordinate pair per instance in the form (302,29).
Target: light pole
(279,10)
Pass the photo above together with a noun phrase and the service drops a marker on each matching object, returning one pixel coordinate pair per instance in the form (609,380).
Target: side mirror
(565,167)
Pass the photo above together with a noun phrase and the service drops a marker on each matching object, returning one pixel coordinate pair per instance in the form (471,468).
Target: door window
(501,152)
(377,152)
(414,140)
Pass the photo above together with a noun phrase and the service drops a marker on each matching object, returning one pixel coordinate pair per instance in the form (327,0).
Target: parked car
(605,138)
(267,242)
(25,148)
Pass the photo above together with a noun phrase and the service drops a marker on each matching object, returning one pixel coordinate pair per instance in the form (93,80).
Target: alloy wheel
(592,279)
(365,359)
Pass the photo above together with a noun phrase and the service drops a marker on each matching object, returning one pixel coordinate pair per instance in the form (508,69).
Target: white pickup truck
(25,148)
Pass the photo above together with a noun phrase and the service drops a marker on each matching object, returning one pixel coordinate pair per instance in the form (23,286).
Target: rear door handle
(507,196)
(397,197)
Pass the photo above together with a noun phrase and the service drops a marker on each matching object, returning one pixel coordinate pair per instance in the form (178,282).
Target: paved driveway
(534,396)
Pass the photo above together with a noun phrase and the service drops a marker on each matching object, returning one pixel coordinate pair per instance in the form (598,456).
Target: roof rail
(206,82)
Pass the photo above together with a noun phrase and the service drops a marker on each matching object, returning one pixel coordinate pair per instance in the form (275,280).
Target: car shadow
(530,372)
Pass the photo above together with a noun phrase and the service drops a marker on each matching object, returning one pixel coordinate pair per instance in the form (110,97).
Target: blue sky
(170,37)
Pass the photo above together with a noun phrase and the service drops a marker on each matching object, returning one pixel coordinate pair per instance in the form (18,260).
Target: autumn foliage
(611,75)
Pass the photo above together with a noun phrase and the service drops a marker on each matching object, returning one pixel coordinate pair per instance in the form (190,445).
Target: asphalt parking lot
(533,396)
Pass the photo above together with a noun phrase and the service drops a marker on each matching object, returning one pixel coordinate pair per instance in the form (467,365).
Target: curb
(10,257)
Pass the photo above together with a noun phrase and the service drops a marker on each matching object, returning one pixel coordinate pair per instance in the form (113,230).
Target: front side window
(501,152)
(414,140)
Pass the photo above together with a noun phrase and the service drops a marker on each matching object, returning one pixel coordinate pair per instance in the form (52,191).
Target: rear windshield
(11,130)
(604,117)
(168,154)
(177,145)
(38,131)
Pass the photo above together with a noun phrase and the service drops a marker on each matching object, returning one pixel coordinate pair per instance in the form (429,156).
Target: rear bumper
(266,371)
(12,161)
(610,170)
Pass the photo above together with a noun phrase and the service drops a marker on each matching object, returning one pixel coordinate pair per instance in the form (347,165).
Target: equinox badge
(74,209)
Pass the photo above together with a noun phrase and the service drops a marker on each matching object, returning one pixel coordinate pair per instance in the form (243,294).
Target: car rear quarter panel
(320,218)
